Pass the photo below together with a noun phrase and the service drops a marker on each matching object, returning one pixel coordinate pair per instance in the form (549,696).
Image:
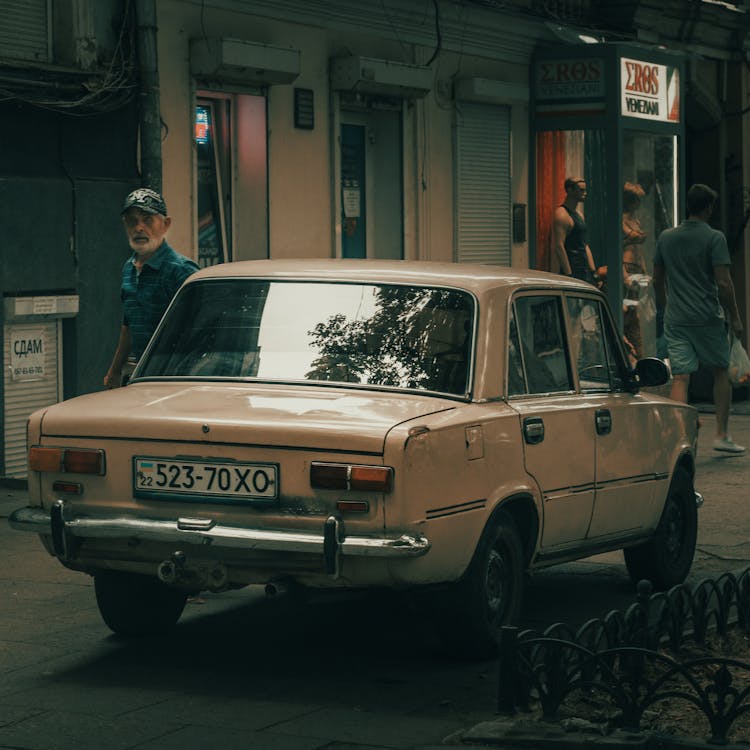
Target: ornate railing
(615,659)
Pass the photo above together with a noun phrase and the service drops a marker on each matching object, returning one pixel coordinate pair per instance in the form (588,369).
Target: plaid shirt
(145,296)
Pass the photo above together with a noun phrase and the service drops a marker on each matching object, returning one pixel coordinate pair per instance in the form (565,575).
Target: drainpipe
(150,114)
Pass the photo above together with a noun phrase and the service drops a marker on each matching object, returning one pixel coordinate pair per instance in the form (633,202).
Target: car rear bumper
(331,542)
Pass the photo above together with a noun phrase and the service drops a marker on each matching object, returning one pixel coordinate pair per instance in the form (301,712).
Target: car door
(625,428)
(557,425)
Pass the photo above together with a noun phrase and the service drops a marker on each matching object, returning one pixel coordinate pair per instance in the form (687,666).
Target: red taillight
(351,477)
(376,478)
(72,460)
(45,459)
(353,506)
(329,476)
(68,488)
(84,461)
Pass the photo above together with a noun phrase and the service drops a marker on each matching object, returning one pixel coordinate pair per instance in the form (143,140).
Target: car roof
(469,276)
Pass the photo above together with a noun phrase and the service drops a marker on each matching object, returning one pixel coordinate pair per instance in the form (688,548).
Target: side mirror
(651,372)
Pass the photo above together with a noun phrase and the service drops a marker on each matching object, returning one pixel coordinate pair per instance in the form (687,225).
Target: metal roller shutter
(25,396)
(24,29)
(483,222)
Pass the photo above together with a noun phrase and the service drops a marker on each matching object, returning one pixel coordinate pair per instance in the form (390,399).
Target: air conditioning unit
(238,61)
(488,91)
(368,75)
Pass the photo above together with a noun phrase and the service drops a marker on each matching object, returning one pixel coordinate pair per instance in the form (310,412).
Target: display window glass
(649,206)
(212,146)
(563,155)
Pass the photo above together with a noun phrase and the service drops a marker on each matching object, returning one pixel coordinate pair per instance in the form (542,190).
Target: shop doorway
(213,194)
(371,195)
(231,167)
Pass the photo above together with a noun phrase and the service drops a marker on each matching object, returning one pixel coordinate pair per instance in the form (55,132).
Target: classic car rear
(362,425)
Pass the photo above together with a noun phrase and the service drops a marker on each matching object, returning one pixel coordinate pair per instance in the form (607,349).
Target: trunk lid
(271,415)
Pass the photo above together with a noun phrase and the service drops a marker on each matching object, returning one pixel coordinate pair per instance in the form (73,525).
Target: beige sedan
(440,428)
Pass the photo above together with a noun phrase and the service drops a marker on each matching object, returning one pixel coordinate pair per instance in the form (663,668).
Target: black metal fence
(617,658)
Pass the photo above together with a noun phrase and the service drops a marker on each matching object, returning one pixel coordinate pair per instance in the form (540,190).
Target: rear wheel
(474,611)
(666,558)
(132,604)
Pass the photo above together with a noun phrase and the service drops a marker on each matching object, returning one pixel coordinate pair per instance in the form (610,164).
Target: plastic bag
(642,290)
(739,363)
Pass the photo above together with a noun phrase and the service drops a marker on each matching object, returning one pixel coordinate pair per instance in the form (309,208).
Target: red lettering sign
(642,79)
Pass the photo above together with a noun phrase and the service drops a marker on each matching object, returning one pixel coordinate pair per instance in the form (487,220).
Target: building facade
(402,129)
(69,144)
(345,129)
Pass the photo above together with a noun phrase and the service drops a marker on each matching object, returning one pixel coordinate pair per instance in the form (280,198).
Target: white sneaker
(727,445)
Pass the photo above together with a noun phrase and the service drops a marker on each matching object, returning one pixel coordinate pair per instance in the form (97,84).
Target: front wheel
(666,558)
(132,604)
(473,612)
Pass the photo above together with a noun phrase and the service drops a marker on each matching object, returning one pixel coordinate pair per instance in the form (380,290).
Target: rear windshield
(410,337)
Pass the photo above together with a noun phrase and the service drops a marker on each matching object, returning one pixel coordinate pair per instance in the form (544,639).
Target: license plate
(216,479)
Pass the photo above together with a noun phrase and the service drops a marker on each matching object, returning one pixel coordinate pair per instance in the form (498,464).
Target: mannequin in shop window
(571,234)
(634,271)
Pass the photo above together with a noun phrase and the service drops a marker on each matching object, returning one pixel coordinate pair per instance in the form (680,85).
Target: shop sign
(650,91)
(27,346)
(570,79)
(351,199)
(570,86)
(44,305)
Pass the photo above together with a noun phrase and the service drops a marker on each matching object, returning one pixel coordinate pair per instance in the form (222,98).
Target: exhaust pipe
(167,572)
(217,577)
(174,572)
(275,588)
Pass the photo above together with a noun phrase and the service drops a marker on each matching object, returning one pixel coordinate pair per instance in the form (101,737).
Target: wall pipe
(148,94)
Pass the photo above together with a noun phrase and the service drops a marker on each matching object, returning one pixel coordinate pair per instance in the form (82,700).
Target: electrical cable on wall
(438,34)
(109,90)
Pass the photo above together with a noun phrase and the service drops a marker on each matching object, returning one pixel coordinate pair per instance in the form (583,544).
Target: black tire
(132,604)
(472,614)
(666,558)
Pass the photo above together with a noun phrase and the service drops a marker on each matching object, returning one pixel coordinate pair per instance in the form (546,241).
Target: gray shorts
(690,346)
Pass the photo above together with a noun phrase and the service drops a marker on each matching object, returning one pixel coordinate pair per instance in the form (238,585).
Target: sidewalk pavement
(723,544)
(723,479)
(12,495)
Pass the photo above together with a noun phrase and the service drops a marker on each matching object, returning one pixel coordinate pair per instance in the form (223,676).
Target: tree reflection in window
(415,338)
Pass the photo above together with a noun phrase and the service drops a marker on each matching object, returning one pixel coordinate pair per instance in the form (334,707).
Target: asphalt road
(246,671)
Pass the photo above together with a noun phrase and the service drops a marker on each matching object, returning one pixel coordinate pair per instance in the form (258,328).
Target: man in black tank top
(571,235)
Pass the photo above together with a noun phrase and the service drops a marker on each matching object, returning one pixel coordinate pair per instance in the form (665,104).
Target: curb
(526,734)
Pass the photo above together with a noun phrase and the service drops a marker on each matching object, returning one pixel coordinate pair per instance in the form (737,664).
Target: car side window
(537,357)
(595,350)
(516,378)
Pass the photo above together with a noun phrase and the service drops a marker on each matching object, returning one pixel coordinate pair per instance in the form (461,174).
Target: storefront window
(561,154)
(649,205)
(622,168)
(212,148)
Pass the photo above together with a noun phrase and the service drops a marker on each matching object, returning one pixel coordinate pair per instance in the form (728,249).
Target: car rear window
(400,336)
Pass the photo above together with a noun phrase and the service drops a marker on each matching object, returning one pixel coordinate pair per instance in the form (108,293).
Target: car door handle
(603,420)
(533,430)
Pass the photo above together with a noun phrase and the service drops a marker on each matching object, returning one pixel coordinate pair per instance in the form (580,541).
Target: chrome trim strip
(599,484)
(37,520)
(451,510)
